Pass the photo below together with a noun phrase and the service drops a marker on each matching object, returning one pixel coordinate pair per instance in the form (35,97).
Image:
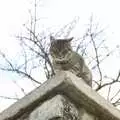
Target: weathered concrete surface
(30,101)
(60,107)
(69,85)
(84,115)
(56,107)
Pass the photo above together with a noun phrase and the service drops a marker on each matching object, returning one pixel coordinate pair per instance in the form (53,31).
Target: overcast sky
(14,13)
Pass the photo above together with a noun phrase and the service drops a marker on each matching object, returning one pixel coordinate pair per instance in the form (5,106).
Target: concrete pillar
(60,108)
(64,97)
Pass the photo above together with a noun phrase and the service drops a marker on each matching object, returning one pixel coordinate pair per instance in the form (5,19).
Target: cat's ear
(52,38)
(70,39)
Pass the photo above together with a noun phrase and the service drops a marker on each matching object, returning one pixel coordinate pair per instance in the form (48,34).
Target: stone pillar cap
(67,84)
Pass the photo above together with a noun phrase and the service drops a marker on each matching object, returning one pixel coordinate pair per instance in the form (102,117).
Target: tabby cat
(64,58)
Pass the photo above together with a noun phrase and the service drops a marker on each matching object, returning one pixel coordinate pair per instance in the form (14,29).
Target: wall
(64,97)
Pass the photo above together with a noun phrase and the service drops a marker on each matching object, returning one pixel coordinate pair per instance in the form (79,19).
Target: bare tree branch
(115,95)
(10,98)
(97,59)
(20,73)
(117,102)
(110,83)
(109,91)
(22,89)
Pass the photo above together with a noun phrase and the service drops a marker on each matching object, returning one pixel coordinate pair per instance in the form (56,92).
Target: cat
(64,58)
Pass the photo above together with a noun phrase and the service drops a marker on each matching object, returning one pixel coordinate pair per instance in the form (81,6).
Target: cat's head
(60,47)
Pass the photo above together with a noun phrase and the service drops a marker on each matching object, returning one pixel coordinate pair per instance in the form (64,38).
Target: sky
(14,13)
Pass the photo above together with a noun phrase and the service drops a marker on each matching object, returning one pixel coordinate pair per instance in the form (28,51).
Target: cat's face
(60,47)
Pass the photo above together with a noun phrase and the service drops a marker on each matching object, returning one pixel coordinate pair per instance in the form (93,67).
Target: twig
(10,98)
